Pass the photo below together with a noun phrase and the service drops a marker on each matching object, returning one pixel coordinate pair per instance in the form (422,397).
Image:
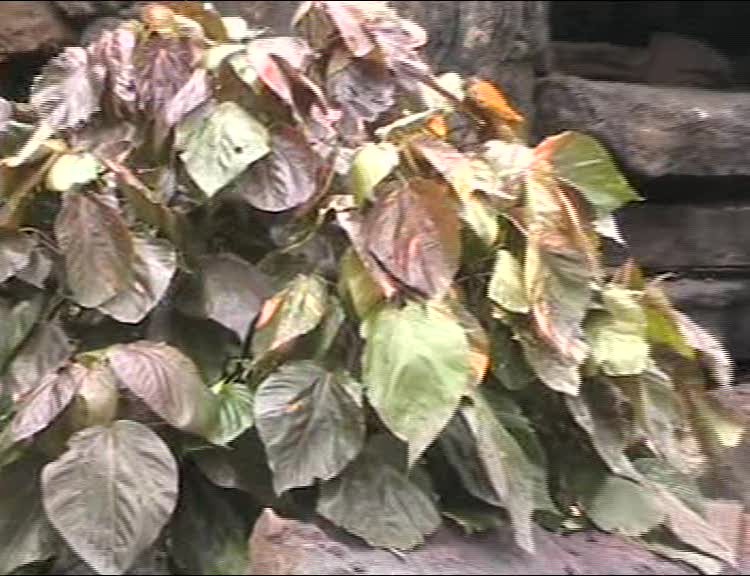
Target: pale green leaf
(72,170)
(214,56)
(376,500)
(371,164)
(222,146)
(481,217)
(356,283)
(235,412)
(17,323)
(416,368)
(558,372)
(311,422)
(111,493)
(506,287)
(623,507)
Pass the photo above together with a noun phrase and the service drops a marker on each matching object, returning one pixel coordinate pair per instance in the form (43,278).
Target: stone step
(678,237)
(653,130)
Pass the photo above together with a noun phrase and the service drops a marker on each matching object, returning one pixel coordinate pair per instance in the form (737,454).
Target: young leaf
(154,265)
(413,234)
(72,170)
(286,177)
(43,404)
(416,368)
(168,382)
(24,529)
(98,249)
(311,422)
(222,145)
(624,507)
(68,91)
(617,336)
(111,493)
(506,287)
(228,290)
(581,162)
(375,500)
(15,253)
(235,412)
(372,163)
(291,313)
(205,514)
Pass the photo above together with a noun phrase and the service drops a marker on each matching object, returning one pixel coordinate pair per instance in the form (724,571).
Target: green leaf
(111,493)
(72,170)
(500,167)
(356,282)
(235,413)
(581,162)
(508,362)
(681,485)
(222,145)
(24,529)
(475,519)
(481,217)
(311,422)
(623,507)
(705,564)
(506,287)
(290,313)
(413,232)
(50,397)
(558,372)
(416,368)
(98,248)
(617,336)
(372,163)
(17,321)
(285,178)
(168,382)
(205,514)
(227,290)
(375,500)
(154,265)
(596,411)
(15,252)
(662,326)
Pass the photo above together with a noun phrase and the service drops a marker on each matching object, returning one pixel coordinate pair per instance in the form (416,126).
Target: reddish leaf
(293,51)
(51,396)
(449,162)
(413,232)
(193,93)
(98,248)
(348,18)
(115,49)
(286,177)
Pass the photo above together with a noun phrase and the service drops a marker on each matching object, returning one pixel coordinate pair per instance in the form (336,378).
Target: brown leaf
(413,232)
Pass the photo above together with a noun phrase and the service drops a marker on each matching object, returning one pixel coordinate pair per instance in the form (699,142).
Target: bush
(307,273)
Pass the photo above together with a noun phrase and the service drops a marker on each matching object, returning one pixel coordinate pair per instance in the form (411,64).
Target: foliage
(291,270)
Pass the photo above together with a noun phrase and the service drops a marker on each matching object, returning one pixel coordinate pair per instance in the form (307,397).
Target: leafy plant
(307,273)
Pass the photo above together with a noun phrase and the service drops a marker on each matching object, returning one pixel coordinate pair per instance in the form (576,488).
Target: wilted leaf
(581,162)
(617,336)
(492,102)
(294,311)
(98,248)
(168,382)
(15,253)
(72,170)
(111,493)
(205,513)
(413,233)
(235,412)
(154,265)
(45,402)
(222,145)
(227,290)
(506,287)
(595,410)
(24,529)
(623,507)
(372,163)
(44,351)
(449,162)
(375,500)
(357,283)
(68,90)
(286,177)
(416,368)
(311,421)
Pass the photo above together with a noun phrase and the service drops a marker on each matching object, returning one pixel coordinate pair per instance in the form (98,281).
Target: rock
(676,60)
(722,306)
(653,131)
(599,60)
(78,10)
(679,237)
(31,27)
(283,546)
